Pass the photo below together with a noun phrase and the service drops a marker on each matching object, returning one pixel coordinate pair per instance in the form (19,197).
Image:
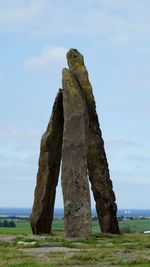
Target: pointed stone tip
(65,71)
(59,93)
(73,51)
(74,54)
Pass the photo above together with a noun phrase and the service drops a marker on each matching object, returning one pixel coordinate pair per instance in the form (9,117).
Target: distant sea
(59,213)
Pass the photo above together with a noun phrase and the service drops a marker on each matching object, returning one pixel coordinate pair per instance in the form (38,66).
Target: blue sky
(114,36)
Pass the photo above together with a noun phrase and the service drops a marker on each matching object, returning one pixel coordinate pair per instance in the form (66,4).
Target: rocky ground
(56,251)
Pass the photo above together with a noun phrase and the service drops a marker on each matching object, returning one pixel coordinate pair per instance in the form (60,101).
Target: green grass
(58,225)
(56,265)
(133,225)
(138,265)
(126,250)
(23,227)
(136,225)
(132,249)
(30,265)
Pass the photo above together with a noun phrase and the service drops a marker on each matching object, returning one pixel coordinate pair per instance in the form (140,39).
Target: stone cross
(74,136)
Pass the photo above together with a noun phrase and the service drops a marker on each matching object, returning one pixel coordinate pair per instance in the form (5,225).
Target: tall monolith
(77,207)
(48,172)
(97,162)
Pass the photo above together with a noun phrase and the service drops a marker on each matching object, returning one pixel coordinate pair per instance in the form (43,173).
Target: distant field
(136,225)
(23,227)
(129,225)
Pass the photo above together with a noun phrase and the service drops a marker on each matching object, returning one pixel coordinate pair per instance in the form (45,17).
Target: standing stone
(77,206)
(97,162)
(48,172)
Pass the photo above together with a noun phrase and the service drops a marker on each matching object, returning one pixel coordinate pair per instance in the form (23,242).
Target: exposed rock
(34,237)
(41,252)
(23,243)
(49,165)
(51,244)
(97,162)
(7,239)
(77,209)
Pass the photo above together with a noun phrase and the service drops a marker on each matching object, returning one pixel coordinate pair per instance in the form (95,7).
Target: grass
(54,265)
(130,249)
(23,227)
(138,265)
(133,225)
(30,265)
(136,225)
(126,250)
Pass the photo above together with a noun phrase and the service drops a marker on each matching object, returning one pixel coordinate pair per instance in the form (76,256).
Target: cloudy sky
(114,36)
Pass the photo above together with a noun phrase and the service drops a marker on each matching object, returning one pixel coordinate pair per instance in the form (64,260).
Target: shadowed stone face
(48,172)
(97,162)
(77,209)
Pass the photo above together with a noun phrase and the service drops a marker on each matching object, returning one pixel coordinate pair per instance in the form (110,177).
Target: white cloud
(51,58)
(110,21)
(16,15)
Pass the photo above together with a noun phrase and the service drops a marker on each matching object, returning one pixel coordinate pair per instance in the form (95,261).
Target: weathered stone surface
(77,209)
(48,172)
(97,161)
